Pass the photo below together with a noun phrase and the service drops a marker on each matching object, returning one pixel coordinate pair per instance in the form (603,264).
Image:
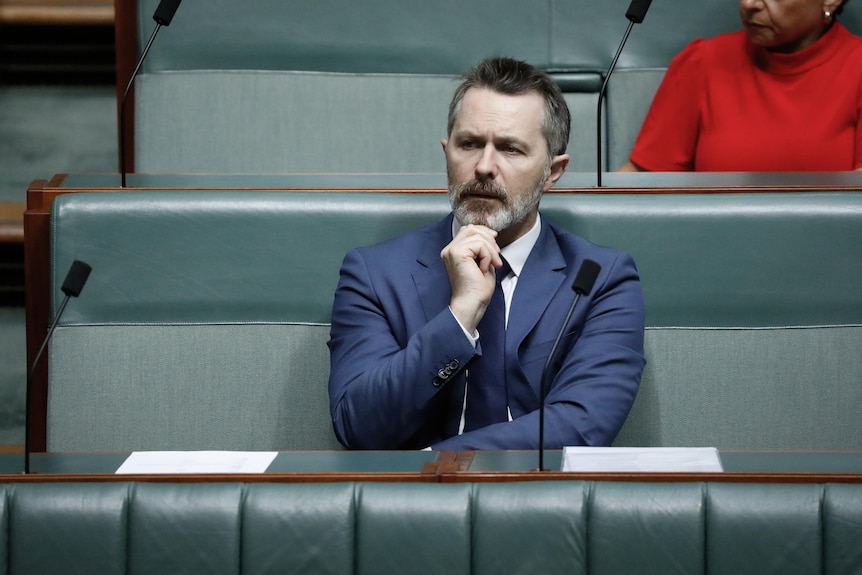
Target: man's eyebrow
(503,139)
(462,133)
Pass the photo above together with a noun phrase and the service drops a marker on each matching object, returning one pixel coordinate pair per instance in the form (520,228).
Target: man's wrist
(473,338)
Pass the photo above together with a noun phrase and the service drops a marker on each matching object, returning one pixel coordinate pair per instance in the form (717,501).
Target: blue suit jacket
(397,354)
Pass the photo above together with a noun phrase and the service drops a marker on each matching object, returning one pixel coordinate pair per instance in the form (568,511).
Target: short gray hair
(514,78)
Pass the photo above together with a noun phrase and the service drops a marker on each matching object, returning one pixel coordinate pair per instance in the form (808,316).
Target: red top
(726,105)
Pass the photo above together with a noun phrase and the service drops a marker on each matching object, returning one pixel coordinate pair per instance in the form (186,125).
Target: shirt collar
(518,251)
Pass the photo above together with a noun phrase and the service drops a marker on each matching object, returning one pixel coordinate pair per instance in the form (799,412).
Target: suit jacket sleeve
(392,369)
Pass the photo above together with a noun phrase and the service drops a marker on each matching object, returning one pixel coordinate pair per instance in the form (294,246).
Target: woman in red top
(783,95)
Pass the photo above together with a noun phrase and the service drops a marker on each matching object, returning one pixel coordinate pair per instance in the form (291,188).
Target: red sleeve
(668,137)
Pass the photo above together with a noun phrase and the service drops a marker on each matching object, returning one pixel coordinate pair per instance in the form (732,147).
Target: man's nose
(486,166)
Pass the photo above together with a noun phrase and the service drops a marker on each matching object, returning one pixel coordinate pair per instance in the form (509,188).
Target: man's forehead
(482,105)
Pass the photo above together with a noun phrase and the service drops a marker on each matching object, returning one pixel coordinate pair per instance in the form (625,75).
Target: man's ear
(443,143)
(558,168)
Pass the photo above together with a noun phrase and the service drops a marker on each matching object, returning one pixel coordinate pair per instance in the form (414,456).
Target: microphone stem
(29,385)
(123,106)
(601,100)
(544,383)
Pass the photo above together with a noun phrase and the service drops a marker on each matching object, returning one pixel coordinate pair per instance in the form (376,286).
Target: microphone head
(76,278)
(586,277)
(637,10)
(165,12)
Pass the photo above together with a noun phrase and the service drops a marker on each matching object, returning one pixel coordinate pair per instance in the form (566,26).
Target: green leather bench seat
(205,320)
(563,527)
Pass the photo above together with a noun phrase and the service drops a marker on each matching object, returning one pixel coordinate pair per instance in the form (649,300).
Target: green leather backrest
(706,260)
(565,527)
(414,37)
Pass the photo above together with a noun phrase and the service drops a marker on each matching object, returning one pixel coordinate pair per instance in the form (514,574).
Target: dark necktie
(487,401)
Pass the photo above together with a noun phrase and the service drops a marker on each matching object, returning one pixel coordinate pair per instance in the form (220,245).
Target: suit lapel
(543,273)
(432,283)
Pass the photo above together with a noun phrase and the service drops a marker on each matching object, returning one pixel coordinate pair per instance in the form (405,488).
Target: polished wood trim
(57,12)
(691,190)
(12,222)
(37,274)
(439,473)
(464,459)
(723,477)
(299,477)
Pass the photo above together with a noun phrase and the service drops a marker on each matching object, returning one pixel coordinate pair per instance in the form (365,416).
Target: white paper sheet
(643,459)
(155,462)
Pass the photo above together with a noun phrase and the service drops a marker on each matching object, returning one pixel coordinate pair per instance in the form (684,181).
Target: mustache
(481,188)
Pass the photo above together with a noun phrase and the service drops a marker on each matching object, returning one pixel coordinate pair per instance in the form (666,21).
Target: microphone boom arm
(123,105)
(601,101)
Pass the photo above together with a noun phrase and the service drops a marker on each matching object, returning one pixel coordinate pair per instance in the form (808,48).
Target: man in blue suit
(412,359)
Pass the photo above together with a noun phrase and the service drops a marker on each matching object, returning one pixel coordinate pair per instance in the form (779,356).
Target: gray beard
(499,217)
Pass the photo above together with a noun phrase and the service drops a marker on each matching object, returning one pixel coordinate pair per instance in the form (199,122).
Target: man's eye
(468,144)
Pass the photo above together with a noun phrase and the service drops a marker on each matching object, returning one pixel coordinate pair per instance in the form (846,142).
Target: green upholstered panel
(765,529)
(660,529)
(629,97)
(842,521)
(301,530)
(737,389)
(279,122)
(442,37)
(4,530)
(732,260)
(559,510)
(220,257)
(706,260)
(637,182)
(206,386)
(415,37)
(67,528)
(185,528)
(587,33)
(726,388)
(421,528)
(400,36)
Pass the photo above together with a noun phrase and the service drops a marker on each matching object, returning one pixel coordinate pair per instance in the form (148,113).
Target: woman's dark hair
(840,8)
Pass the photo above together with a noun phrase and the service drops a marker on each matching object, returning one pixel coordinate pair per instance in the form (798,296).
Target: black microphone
(163,15)
(583,285)
(72,286)
(167,8)
(635,14)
